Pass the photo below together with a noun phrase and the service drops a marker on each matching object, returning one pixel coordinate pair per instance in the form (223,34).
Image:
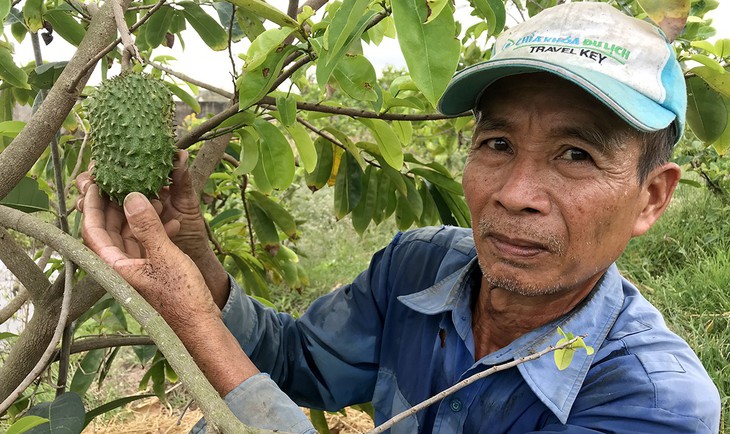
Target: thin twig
(194,135)
(189,79)
(91,63)
(234,74)
(14,305)
(96,343)
(213,240)
(129,50)
(461,384)
(244,185)
(41,365)
(80,157)
(321,133)
(270,102)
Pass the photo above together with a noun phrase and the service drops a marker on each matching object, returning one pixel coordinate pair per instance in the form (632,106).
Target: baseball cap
(626,63)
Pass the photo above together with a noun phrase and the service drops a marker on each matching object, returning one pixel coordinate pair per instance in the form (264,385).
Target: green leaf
(255,83)
(264,10)
(722,48)
(277,213)
(388,143)
(276,155)
(264,44)
(225,11)
(430,214)
(719,80)
(260,179)
(112,405)
(19,31)
(344,23)
(10,72)
(66,414)
(348,144)
(363,212)
(25,423)
(323,169)
(11,128)
(404,216)
(252,271)
(403,130)
(5,6)
(207,27)
(722,144)
(319,421)
(439,179)
(495,13)
(66,26)
(249,23)
(431,50)
(348,187)
(356,77)
(185,97)
(7,335)
(249,156)
(44,76)
(305,146)
(434,8)
(563,356)
(144,352)
(707,114)
(158,25)
(86,372)
(704,45)
(263,226)
(287,107)
(26,197)
(33,14)
(708,62)
(227,216)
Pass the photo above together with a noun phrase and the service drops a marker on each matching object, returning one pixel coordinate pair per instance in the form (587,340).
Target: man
(576,115)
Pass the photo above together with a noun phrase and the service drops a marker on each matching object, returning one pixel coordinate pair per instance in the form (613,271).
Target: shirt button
(455,405)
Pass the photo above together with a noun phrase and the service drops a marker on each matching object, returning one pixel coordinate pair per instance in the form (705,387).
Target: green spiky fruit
(132,135)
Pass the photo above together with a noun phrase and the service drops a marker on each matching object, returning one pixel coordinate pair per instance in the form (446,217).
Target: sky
(200,62)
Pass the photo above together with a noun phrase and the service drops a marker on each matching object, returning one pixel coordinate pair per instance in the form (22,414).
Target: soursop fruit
(132,137)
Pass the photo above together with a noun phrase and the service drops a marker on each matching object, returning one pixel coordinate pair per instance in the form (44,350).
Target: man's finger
(145,223)
(181,190)
(83,181)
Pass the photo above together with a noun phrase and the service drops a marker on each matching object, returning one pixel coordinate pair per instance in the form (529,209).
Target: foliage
(308,109)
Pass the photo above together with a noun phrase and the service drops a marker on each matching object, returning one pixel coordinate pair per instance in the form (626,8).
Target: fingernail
(135,203)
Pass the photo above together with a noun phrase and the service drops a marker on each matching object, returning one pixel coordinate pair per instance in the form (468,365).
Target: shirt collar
(556,389)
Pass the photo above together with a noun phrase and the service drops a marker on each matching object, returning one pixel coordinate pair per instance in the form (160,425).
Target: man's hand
(179,212)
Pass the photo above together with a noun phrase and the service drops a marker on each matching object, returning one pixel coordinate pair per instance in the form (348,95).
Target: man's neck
(500,316)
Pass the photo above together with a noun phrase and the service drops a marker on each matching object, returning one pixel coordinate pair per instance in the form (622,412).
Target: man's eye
(575,154)
(497,144)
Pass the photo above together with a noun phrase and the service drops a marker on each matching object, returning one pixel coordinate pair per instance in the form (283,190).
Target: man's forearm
(216,277)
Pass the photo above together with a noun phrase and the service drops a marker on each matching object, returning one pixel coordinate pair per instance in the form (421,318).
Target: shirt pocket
(388,401)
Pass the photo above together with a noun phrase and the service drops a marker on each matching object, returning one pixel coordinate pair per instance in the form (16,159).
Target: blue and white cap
(625,62)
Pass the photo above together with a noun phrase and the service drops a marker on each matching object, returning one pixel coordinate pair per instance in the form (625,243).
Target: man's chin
(526,289)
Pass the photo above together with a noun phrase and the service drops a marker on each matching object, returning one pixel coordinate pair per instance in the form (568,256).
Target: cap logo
(593,49)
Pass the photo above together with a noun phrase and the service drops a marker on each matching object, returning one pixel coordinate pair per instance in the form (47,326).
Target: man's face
(553,199)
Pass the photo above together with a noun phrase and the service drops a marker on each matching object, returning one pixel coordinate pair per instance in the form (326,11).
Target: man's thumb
(144,222)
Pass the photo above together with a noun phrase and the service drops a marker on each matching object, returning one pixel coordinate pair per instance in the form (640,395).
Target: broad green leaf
(348,188)
(33,14)
(227,216)
(249,156)
(344,23)
(347,143)
(249,23)
(5,6)
(404,216)
(457,206)
(11,128)
(396,179)
(708,62)
(10,72)
(704,45)
(276,154)
(319,421)
(206,26)
(722,48)
(240,119)
(414,198)
(265,10)
(323,169)
(430,214)
(305,146)
(495,13)
(431,50)
(434,8)
(185,97)
(19,31)
(7,335)
(404,131)
(669,15)
(307,13)
(66,26)
(66,414)
(86,371)
(363,212)
(25,423)
(225,14)
(255,83)
(442,207)
(277,213)
(388,143)
(384,189)
(287,107)
(26,197)
(44,76)
(718,79)
(264,44)
(439,179)
(260,179)
(263,226)
(722,144)
(112,405)
(707,114)
(356,77)
(563,356)
(158,25)
(251,269)
(144,352)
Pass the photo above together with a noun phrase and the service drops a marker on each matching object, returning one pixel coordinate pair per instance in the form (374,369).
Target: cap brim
(467,86)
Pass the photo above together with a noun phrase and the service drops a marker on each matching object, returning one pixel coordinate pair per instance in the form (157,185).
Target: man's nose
(524,189)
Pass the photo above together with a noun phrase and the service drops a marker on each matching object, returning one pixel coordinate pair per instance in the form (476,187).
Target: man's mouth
(516,247)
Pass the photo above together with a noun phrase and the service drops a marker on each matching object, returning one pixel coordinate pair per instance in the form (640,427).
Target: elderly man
(576,112)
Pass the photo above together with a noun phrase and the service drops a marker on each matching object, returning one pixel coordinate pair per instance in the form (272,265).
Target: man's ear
(656,193)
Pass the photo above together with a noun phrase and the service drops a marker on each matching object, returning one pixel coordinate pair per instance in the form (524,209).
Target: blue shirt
(401,332)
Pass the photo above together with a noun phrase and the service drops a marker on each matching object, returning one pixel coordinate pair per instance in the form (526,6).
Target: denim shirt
(401,332)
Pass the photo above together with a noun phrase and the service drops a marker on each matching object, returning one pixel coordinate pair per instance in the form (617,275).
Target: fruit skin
(132,136)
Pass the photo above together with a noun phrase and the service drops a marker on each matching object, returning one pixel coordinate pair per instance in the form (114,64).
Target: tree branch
(23,267)
(129,49)
(22,153)
(191,137)
(189,79)
(217,412)
(14,305)
(207,159)
(467,381)
(96,343)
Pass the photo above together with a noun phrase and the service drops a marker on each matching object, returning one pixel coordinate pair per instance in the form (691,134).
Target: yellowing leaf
(669,15)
